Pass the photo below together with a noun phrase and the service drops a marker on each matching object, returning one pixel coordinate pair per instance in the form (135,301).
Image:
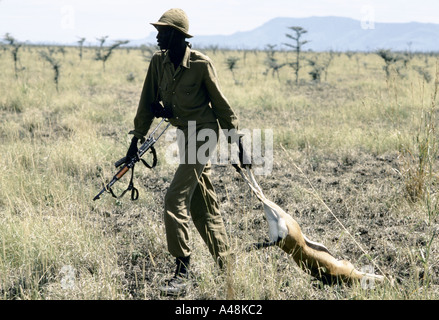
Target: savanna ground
(358,146)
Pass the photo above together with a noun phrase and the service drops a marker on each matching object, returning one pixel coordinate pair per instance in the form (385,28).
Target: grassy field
(358,145)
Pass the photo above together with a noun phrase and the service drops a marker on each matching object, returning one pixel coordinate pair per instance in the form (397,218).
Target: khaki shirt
(192,91)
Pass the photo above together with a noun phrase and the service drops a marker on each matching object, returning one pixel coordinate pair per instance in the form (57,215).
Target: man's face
(164,37)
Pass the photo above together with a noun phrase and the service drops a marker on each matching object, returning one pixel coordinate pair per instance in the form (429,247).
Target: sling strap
(134,190)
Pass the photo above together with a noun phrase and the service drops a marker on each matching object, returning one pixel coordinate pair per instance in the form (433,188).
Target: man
(181,85)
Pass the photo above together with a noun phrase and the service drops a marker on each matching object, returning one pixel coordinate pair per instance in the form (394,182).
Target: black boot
(177,286)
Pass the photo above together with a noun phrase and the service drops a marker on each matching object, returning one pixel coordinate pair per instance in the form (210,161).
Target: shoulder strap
(134,190)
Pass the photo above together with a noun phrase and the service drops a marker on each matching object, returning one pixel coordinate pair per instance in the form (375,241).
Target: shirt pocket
(186,95)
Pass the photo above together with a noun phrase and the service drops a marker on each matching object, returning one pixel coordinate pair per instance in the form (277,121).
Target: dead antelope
(310,256)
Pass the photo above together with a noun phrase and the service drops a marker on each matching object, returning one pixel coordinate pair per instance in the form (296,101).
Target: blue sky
(67,20)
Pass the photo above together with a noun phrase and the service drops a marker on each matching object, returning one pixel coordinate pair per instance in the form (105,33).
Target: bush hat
(175,18)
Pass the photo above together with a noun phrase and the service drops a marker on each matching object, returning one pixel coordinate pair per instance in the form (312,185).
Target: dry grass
(350,135)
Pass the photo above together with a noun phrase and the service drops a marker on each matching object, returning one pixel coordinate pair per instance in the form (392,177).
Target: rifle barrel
(98,196)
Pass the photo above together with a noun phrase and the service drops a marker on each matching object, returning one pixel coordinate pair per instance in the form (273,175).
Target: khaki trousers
(191,194)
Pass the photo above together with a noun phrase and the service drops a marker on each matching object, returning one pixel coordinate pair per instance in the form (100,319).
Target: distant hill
(327,33)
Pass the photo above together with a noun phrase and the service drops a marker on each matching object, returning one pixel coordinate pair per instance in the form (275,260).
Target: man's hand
(244,157)
(132,150)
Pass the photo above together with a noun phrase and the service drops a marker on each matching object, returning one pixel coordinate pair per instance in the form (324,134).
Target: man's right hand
(132,150)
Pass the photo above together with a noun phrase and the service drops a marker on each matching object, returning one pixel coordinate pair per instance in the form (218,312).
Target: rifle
(147,145)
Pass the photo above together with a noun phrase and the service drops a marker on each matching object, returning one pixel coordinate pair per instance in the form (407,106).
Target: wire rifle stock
(127,165)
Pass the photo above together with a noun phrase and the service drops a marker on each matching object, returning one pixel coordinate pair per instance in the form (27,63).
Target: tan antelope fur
(312,257)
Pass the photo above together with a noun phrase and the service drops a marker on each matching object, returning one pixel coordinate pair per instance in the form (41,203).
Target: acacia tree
(297,47)
(101,44)
(54,64)
(81,45)
(103,54)
(147,51)
(15,46)
(231,65)
(390,59)
(317,70)
(271,62)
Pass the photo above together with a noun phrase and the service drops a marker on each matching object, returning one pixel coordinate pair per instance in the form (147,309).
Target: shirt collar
(186,62)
